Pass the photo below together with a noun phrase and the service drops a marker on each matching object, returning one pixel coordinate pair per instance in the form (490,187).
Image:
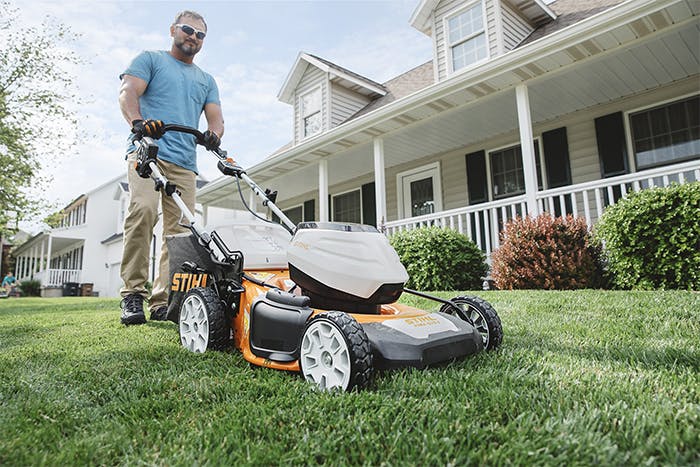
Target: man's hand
(211,140)
(152,128)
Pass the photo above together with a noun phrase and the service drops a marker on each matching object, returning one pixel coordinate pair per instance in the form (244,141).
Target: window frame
(449,45)
(626,120)
(302,117)
(434,170)
(296,206)
(541,171)
(341,193)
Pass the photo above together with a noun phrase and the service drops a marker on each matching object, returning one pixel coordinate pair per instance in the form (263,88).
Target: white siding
(515,27)
(313,77)
(344,104)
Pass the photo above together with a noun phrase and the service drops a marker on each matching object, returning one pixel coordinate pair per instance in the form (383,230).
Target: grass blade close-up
(582,378)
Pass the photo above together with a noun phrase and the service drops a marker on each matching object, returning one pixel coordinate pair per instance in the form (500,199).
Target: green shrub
(651,238)
(30,288)
(546,252)
(440,259)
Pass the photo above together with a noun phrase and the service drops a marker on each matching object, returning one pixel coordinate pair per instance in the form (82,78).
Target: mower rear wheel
(335,353)
(482,315)
(203,324)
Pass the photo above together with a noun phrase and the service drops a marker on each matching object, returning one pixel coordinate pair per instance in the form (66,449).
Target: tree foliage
(36,102)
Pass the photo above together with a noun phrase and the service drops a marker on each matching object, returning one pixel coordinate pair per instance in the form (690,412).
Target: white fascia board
(333,73)
(286,94)
(546,9)
(420,19)
(626,12)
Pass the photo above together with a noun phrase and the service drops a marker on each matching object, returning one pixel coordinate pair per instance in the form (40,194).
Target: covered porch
(631,58)
(51,259)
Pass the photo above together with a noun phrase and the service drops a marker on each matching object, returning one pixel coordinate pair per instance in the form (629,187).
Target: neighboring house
(524,108)
(86,247)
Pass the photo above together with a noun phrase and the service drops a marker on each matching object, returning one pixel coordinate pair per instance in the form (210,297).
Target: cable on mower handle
(228,166)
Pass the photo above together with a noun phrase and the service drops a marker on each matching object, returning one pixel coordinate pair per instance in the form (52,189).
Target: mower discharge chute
(323,303)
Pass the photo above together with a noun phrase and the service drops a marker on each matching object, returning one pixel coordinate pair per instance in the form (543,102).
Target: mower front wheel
(203,324)
(482,315)
(336,353)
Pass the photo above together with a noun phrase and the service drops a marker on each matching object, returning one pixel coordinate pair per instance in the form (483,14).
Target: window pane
(312,124)
(347,207)
(469,52)
(311,103)
(465,24)
(294,214)
(673,133)
(422,197)
(507,172)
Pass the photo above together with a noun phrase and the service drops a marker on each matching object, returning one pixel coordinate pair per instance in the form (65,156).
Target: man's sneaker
(160,314)
(132,310)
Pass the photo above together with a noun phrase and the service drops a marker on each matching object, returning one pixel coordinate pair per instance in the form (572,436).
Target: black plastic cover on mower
(395,349)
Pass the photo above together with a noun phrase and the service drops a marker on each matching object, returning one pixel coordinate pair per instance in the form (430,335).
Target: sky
(250,48)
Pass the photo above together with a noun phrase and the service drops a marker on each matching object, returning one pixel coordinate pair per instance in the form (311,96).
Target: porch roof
(628,49)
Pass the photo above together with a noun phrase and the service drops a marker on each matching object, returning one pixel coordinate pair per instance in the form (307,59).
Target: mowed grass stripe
(585,377)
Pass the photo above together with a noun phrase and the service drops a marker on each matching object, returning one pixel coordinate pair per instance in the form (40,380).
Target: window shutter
(556,158)
(612,148)
(369,204)
(476,177)
(310,210)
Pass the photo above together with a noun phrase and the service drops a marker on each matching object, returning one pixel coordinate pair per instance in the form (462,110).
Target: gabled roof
(536,11)
(354,81)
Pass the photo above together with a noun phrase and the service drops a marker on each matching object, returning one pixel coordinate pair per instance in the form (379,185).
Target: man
(157,87)
(8,282)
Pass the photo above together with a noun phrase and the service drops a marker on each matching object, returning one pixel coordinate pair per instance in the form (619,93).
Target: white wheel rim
(325,357)
(194,325)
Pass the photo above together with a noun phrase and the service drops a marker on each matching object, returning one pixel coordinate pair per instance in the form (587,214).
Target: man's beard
(188,48)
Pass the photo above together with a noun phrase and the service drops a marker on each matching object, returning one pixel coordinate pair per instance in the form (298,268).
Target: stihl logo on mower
(184,281)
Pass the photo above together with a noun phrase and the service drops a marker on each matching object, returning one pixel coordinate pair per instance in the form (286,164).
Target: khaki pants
(138,228)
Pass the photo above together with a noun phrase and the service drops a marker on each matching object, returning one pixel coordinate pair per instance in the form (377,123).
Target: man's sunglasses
(189,30)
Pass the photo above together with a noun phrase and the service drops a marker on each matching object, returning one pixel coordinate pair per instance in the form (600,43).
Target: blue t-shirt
(177,93)
(8,280)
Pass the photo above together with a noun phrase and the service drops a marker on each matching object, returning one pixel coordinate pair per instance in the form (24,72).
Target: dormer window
(311,113)
(467,37)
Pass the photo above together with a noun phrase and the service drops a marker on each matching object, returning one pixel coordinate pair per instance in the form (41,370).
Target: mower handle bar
(234,169)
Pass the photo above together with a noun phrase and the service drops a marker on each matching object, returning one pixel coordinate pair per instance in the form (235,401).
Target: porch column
(205,214)
(253,201)
(323,190)
(379,182)
(528,148)
(48,258)
(41,256)
(32,267)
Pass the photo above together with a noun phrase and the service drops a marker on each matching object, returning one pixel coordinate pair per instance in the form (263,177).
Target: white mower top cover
(352,258)
(264,246)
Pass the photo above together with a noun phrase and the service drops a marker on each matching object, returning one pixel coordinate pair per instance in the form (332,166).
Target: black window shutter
(612,148)
(369,204)
(309,210)
(556,158)
(476,177)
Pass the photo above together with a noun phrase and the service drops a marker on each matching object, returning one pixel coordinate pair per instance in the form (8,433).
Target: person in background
(163,86)
(8,282)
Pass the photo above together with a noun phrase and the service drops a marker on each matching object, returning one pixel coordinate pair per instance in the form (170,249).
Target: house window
(311,113)
(507,175)
(295,214)
(347,207)
(667,133)
(419,191)
(467,37)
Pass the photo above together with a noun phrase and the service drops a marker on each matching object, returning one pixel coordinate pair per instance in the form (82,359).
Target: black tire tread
(484,308)
(358,346)
(219,326)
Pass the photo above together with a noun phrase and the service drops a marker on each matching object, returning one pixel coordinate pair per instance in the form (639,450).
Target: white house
(524,108)
(86,248)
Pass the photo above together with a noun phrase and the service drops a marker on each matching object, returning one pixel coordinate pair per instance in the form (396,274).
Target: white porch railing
(57,277)
(482,223)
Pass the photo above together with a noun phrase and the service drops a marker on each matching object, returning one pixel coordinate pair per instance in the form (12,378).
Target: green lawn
(582,378)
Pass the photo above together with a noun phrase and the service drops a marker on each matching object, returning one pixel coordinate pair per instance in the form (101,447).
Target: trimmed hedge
(546,253)
(651,238)
(440,259)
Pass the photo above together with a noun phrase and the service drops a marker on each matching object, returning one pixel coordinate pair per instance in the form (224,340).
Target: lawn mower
(317,298)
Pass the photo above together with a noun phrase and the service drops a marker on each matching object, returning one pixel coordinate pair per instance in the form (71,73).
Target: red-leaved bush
(546,253)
